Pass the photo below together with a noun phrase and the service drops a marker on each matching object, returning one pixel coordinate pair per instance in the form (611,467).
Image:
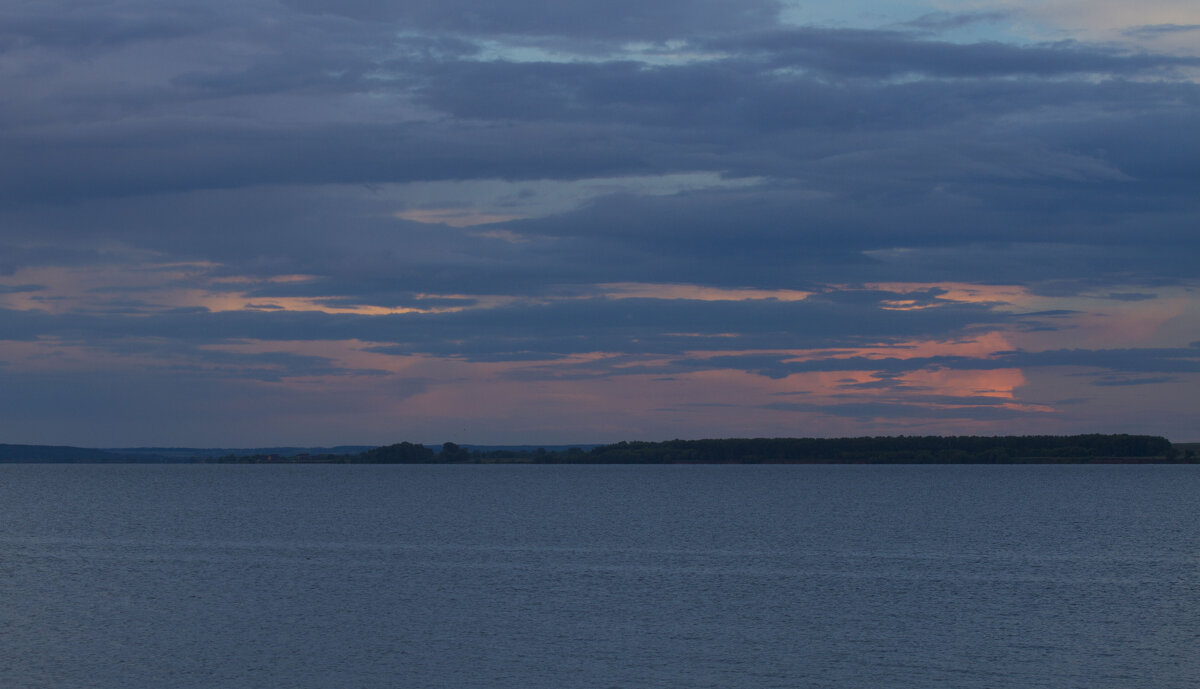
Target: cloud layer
(499,223)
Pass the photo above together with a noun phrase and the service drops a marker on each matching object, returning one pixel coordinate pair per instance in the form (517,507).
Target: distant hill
(57,453)
(190,452)
(66,454)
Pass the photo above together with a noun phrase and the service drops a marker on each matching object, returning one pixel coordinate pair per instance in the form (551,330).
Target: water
(200,576)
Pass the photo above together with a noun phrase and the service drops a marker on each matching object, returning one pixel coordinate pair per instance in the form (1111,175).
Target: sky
(316,222)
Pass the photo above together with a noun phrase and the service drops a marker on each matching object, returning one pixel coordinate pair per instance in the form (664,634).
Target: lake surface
(209,576)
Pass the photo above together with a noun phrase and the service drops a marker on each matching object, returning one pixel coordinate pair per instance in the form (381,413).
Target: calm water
(599,576)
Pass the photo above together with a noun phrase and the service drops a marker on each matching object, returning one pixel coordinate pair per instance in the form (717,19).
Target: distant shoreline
(1041,449)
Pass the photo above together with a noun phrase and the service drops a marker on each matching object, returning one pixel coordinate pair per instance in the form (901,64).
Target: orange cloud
(646,290)
(1000,295)
(182,285)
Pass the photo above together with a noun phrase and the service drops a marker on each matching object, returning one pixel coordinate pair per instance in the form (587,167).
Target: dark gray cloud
(898,160)
(1114,381)
(944,21)
(521,331)
(1132,360)
(1156,30)
(19,289)
(612,19)
(882,54)
(737,113)
(179,157)
(870,168)
(259,366)
(740,99)
(212,149)
(87,27)
(1131,296)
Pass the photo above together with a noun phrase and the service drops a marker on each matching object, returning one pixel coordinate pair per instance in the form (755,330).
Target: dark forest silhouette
(1074,449)
(1093,448)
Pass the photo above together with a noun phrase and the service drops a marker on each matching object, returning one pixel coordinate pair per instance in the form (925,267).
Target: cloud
(20,289)
(1156,30)
(938,22)
(886,410)
(1102,19)
(1131,360)
(1131,296)
(86,27)
(228,190)
(261,366)
(881,54)
(858,166)
(1110,381)
(612,19)
(521,331)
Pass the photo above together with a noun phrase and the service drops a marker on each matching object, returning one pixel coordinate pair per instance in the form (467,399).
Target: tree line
(1093,448)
